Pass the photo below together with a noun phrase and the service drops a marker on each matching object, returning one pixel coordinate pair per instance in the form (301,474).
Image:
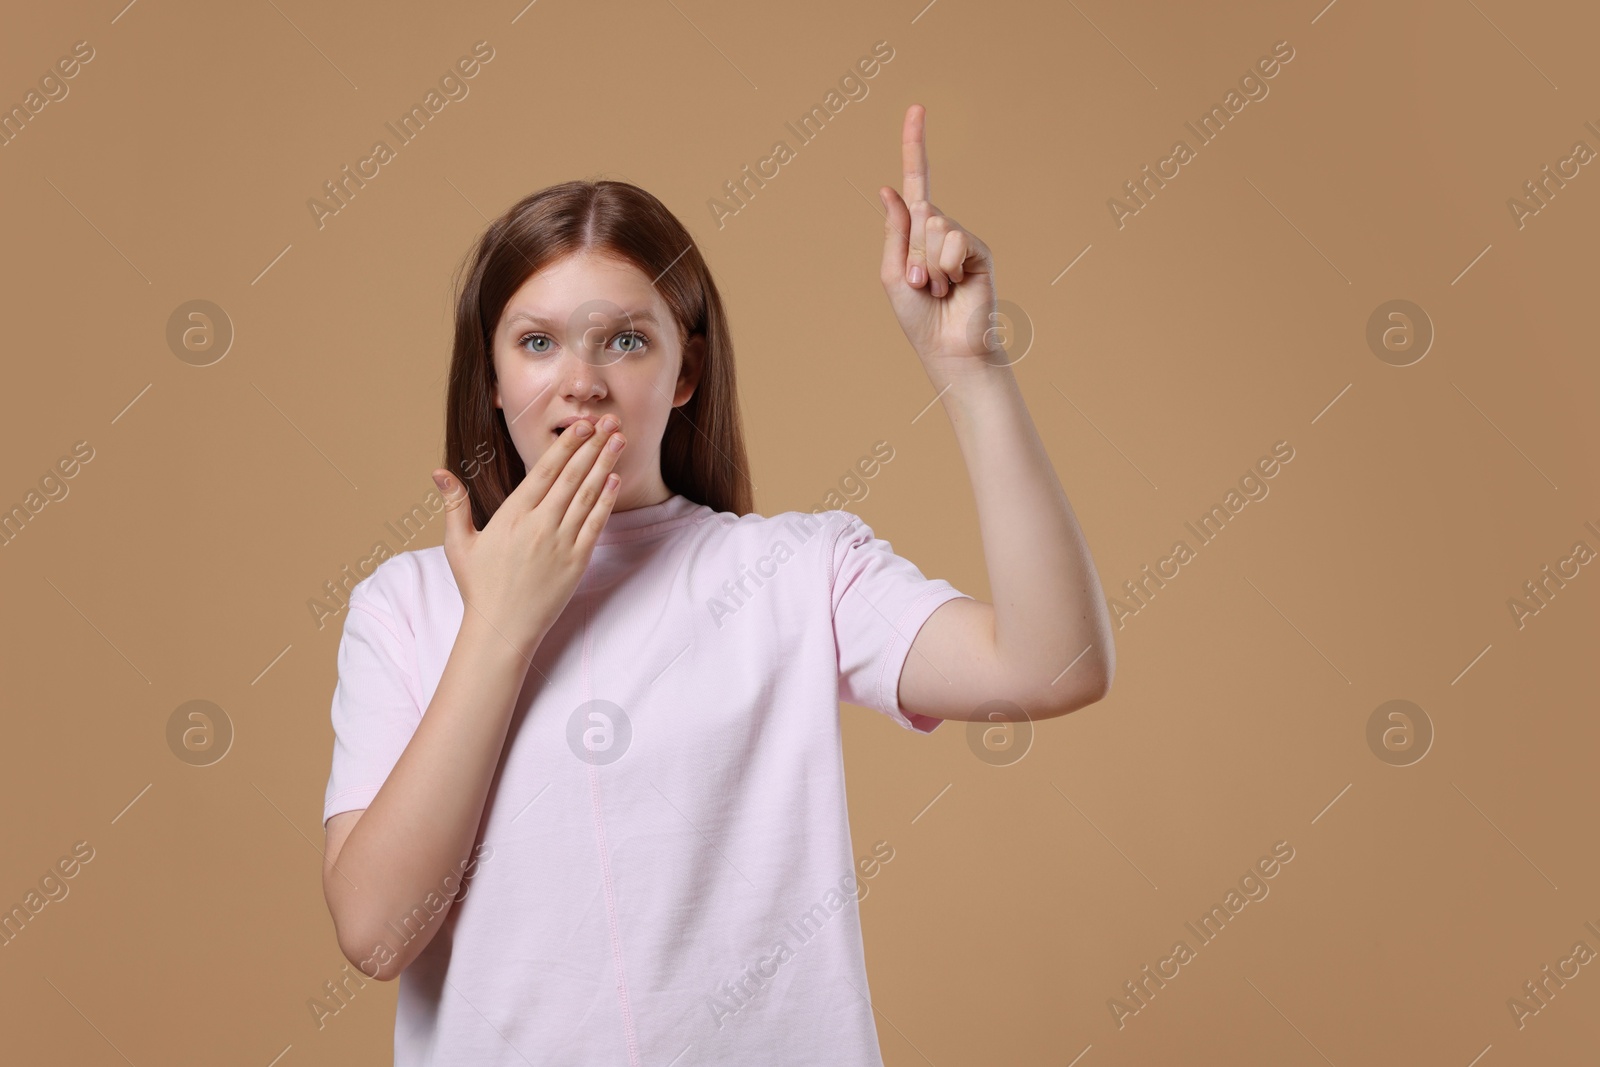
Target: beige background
(1229,314)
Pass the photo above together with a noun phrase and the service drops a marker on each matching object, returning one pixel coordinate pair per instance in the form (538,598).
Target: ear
(689,370)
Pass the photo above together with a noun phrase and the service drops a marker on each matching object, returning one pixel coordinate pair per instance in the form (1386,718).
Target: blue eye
(639,341)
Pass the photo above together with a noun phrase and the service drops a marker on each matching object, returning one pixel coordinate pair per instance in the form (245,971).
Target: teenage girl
(587,793)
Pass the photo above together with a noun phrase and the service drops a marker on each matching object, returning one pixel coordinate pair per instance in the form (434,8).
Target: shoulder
(798,548)
(838,545)
(796,532)
(403,581)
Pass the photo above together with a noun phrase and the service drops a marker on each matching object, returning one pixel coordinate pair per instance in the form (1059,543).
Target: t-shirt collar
(637,522)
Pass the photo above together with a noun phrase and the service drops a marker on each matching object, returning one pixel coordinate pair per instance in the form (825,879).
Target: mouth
(561,426)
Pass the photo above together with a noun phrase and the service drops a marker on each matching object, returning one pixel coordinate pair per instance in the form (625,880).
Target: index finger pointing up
(914,156)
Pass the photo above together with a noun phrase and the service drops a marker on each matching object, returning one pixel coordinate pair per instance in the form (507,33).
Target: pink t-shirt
(664,872)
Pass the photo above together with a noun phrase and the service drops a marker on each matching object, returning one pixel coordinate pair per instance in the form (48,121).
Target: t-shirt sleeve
(880,601)
(376,706)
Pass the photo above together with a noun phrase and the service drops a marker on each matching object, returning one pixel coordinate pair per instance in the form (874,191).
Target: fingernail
(917,274)
(583,428)
(609,423)
(442,483)
(616,442)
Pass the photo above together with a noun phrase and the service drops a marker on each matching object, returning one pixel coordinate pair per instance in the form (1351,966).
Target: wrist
(965,370)
(496,642)
(969,388)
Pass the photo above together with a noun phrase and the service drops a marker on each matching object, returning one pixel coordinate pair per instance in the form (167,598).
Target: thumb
(896,234)
(457,506)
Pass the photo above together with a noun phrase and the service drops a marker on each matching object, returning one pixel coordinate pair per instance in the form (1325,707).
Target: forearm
(420,827)
(1049,606)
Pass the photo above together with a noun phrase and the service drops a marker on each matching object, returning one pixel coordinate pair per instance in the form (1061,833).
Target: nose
(581,379)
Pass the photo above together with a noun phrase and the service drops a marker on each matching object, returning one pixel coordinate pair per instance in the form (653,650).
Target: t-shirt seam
(892,699)
(411,678)
(362,606)
(880,685)
(828,558)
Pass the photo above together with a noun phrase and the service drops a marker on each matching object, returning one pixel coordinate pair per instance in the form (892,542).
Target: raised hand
(939,276)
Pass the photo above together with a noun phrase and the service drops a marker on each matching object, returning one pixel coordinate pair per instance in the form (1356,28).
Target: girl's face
(586,336)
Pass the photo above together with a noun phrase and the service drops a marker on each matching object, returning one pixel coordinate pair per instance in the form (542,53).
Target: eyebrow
(535,319)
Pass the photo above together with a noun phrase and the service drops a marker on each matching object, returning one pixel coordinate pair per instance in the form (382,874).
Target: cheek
(522,407)
(525,393)
(524,377)
(645,403)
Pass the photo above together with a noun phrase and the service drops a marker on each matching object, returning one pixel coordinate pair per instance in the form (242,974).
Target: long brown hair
(702,449)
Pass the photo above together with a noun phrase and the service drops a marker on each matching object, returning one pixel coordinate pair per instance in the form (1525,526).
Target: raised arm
(1045,643)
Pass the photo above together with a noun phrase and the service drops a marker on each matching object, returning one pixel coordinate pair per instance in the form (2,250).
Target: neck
(643,498)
